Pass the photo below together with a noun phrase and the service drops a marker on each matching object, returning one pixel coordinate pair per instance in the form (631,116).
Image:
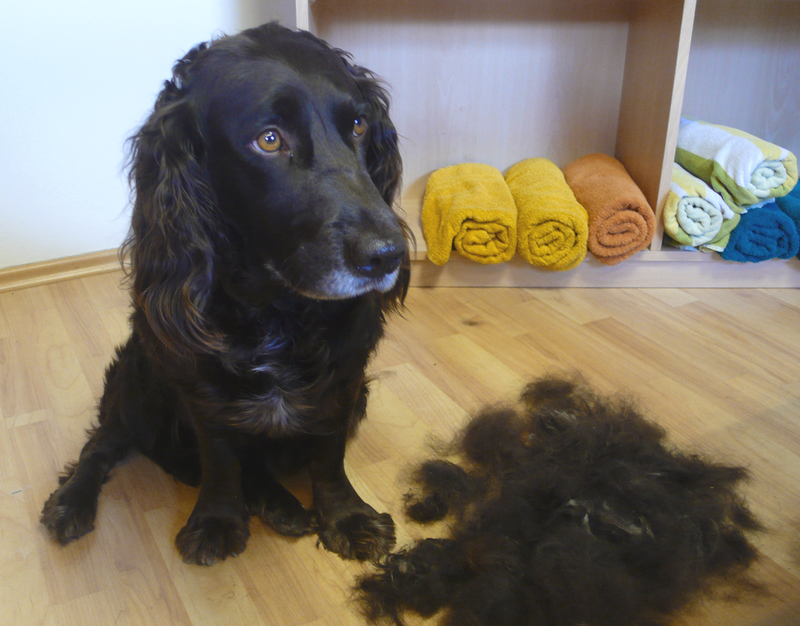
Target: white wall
(76,80)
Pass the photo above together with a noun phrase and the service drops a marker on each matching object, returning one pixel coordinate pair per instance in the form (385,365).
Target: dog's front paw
(69,513)
(208,539)
(365,536)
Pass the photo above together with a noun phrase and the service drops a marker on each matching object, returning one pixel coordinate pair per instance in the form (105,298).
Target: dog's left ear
(382,153)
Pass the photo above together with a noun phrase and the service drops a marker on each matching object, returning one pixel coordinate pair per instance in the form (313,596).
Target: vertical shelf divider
(659,38)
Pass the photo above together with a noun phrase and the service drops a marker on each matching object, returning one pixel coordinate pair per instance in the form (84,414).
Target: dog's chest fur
(296,364)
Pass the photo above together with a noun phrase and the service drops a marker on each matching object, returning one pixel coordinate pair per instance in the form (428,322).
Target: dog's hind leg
(70,510)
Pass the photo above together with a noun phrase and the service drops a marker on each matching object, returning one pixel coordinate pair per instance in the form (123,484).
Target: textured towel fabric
(790,205)
(469,207)
(762,234)
(720,242)
(621,222)
(693,212)
(553,227)
(742,168)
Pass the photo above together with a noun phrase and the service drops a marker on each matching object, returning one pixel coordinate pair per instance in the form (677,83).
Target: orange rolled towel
(621,222)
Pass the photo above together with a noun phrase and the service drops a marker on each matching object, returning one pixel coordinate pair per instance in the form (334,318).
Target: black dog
(264,257)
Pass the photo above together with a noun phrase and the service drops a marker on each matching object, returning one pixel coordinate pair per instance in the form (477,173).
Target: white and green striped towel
(742,168)
(693,212)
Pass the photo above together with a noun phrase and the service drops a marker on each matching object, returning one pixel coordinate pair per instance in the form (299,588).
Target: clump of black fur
(570,510)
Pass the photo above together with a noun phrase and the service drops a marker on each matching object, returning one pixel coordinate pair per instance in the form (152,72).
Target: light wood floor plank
(718,368)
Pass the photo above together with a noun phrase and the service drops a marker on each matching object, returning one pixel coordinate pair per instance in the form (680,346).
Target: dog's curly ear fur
(174,226)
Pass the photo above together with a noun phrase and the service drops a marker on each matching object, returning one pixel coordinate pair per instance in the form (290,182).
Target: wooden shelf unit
(502,81)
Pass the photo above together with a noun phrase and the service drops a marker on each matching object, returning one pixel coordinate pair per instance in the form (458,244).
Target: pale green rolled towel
(693,212)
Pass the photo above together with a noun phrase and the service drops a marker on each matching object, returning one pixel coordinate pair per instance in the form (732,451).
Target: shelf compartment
(499,82)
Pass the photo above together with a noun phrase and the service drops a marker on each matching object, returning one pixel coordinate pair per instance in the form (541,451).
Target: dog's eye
(359,127)
(269,141)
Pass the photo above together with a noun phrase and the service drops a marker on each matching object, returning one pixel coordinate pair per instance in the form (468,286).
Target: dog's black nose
(378,260)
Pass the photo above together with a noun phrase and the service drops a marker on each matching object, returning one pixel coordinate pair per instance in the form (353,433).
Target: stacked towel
(693,212)
(621,222)
(742,168)
(762,234)
(553,227)
(790,205)
(720,242)
(469,207)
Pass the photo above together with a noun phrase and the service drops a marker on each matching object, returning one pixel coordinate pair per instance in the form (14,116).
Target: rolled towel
(720,242)
(693,212)
(762,234)
(621,222)
(469,207)
(552,226)
(790,205)
(742,168)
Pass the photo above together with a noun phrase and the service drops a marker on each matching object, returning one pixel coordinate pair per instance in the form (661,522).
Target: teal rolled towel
(790,205)
(763,233)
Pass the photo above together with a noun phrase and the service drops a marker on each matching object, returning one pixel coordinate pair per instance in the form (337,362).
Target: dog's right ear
(174,227)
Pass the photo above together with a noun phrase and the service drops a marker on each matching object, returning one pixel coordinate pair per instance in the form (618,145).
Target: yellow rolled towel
(469,207)
(552,226)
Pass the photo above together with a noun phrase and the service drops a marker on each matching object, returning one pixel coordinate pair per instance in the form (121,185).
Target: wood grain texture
(659,39)
(23,276)
(647,269)
(717,368)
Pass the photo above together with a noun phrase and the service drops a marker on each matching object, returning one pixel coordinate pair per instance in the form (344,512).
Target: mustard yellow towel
(552,226)
(469,207)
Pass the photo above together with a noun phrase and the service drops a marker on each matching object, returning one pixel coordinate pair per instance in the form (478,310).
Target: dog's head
(273,149)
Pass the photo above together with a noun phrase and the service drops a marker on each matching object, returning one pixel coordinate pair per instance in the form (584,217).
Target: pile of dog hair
(569,509)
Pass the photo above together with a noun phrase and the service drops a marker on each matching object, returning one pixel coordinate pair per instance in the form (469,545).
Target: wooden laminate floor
(718,368)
